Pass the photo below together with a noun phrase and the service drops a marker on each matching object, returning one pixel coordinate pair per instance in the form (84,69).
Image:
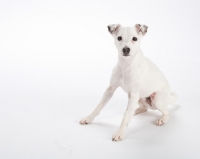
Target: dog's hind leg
(164,118)
(160,101)
(142,108)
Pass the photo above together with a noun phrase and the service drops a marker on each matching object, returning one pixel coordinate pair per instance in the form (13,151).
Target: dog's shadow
(174,108)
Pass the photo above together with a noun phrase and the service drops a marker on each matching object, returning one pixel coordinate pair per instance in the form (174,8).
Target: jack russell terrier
(145,84)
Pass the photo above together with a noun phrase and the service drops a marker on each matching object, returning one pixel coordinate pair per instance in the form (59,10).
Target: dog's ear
(141,29)
(113,28)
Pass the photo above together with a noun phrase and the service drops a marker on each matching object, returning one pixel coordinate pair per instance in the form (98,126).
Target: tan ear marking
(113,28)
(141,28)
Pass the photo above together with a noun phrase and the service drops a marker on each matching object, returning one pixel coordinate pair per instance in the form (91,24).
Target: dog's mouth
(126,55)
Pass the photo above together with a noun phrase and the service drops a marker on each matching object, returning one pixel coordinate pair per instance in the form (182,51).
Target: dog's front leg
(132,105)
(106,97)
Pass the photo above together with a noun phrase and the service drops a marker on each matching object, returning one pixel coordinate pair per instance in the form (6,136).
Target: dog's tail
(173,98)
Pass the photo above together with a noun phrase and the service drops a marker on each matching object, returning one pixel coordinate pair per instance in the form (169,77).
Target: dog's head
(127,39)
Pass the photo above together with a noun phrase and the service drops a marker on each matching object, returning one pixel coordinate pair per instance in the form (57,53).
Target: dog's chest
(129,80)
(124,86)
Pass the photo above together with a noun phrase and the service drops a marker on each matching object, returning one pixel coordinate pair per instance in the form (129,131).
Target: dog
(145,84)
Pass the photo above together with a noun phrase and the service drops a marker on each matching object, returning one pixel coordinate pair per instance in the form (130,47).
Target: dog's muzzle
(126,51)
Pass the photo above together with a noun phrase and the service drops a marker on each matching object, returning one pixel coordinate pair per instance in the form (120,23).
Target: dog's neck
(126,62)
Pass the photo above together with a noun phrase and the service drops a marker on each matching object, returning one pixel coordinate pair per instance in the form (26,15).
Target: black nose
(126,51)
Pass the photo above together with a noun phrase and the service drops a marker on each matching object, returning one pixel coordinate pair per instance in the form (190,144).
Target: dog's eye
(119,38)
(134,39)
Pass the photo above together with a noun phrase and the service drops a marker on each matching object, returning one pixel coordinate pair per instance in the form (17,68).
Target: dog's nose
(126,51)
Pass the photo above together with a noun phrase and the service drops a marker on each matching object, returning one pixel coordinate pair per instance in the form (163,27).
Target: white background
(56,59)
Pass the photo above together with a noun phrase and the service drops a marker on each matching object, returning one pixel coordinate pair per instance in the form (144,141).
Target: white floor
(43,122)
(53,72)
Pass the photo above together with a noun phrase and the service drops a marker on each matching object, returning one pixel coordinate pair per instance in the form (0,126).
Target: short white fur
(145,84)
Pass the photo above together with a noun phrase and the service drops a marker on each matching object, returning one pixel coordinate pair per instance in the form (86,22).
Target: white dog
(144,83)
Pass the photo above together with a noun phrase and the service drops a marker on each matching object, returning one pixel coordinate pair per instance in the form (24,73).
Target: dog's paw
(140,110)
(118,137)
(86,120)
(162,121)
